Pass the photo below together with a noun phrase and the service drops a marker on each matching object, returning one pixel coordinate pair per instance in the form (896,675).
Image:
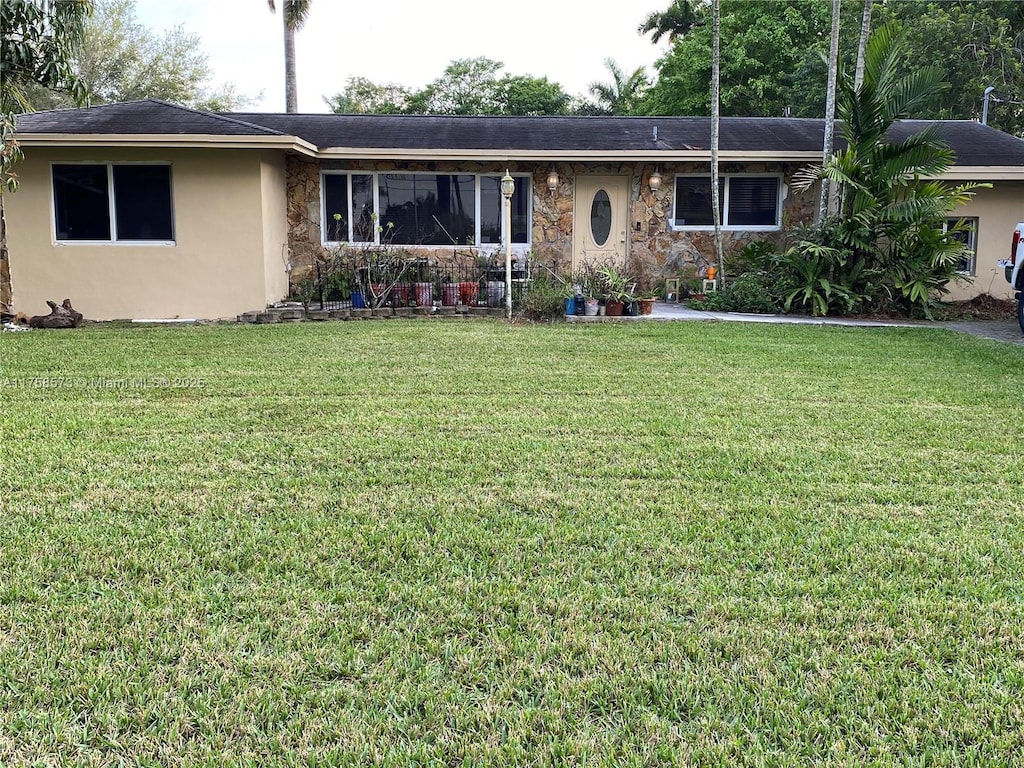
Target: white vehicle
(1013,267)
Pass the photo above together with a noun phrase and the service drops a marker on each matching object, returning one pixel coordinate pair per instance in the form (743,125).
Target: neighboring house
(150,210)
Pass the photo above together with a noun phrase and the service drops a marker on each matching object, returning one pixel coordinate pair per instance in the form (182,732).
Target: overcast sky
(409,42)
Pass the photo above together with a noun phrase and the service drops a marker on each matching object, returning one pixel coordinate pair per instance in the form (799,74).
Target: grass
(419,543)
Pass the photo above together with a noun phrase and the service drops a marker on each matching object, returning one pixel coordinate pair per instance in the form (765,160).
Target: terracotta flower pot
(613,308)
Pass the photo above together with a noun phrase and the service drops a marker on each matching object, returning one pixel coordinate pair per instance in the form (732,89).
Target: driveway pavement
(998,330)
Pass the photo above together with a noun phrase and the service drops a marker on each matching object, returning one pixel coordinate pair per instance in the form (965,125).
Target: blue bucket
(570,306)
(357,300)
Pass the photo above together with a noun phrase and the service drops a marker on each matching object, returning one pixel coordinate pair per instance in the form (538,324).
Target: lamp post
(984,104)
(508,186)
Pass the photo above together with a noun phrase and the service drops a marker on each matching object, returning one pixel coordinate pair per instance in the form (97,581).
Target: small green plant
(615,285)
(305,290)
(545,297)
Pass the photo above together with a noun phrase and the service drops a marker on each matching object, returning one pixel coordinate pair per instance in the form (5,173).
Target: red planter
(469,293)
(613,308)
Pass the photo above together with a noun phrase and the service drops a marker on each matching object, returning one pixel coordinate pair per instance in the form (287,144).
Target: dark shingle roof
(528,134)
(975,144)
(138,117)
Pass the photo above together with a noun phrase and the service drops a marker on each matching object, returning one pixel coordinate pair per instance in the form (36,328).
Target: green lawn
(463,543)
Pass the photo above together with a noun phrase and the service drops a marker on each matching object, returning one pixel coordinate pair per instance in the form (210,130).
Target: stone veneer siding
(655,249)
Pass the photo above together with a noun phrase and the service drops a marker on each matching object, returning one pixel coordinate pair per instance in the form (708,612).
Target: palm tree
(865,31)
(675,21)
(891,223)
(622,95)
(830,105)
(294,15)
(716,74)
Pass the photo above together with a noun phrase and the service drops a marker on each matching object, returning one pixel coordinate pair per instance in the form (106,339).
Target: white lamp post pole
(508,186)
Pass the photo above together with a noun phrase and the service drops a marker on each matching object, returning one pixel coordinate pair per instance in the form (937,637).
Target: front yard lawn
(427,543)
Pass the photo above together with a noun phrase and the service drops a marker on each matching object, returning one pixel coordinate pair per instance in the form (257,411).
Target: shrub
(753,292)
(750,292)
(545,298)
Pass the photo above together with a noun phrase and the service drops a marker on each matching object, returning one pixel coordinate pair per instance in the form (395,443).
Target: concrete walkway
(998,330)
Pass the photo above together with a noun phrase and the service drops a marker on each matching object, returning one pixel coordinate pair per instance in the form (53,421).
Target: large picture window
(422,208)
(745,202)
(113,202)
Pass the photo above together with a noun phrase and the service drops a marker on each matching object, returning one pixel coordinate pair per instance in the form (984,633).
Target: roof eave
(983,173)
(484,155)
(164,141)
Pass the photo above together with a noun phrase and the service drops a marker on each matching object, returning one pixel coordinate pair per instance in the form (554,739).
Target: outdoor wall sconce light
(655,180)
(552,180)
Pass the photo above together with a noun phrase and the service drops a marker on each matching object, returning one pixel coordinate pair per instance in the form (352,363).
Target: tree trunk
(6,287)
(865,31)
(291,91)
(716,68)
(830,106)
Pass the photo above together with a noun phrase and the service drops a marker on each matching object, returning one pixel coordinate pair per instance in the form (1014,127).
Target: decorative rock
(381,312)
(339,314)
(268,317)
(248,317)
(318,314)
(361,314)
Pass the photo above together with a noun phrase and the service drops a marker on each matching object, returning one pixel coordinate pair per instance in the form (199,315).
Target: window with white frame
(422,208)
(746,202)
(964,231)
(111,202)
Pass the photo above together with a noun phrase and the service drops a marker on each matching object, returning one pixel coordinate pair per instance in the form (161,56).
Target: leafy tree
(974,45)
(467,87)
(39,40)
(624,94)
(119,59)
(768,51)
(774,57)
(675,21)
(526,95)
(293,15)
(891,225)
(362,96)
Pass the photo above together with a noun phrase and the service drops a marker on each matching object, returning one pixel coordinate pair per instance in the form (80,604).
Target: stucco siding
(276,258)
(998,210)
(214,269)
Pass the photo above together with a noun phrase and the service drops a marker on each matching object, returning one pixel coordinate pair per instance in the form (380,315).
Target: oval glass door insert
(601,217)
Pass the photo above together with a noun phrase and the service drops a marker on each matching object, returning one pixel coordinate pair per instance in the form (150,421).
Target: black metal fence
(415,283)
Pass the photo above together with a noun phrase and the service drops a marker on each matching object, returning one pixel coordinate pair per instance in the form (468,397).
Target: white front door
(600,228)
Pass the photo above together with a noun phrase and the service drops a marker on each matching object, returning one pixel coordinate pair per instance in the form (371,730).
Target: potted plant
(615,288)
(646,298)
(588,285)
